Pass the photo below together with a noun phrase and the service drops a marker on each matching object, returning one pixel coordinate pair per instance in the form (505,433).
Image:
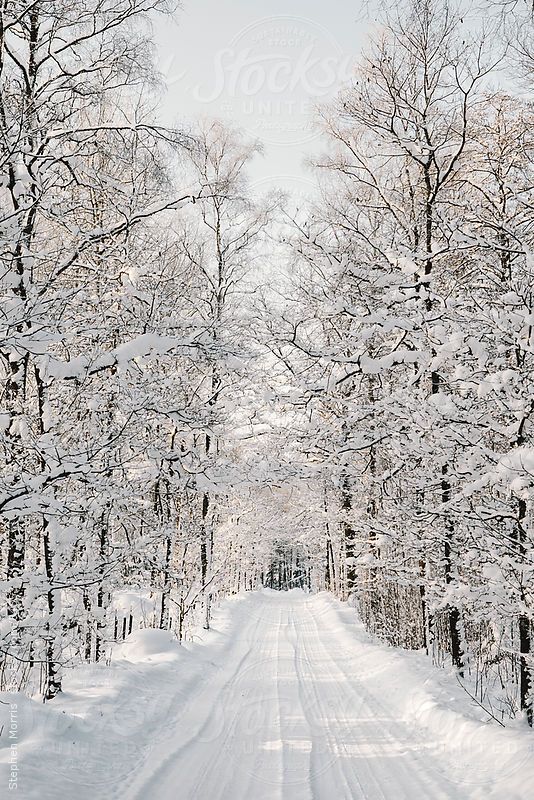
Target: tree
(68,113)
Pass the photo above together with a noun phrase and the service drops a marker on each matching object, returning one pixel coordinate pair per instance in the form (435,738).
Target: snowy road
(290,716)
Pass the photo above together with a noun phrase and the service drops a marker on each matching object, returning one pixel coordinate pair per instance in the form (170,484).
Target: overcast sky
(263,72)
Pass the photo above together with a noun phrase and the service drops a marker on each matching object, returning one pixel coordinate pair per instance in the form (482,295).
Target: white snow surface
(286,698)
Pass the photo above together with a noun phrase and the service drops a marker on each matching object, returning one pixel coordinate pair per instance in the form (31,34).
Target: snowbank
(88,741)
(148,644)
(487,761)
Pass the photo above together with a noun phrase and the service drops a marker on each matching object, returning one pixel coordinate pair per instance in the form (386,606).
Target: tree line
(408,337)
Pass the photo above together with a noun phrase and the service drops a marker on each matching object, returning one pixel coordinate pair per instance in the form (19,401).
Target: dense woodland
(205,391)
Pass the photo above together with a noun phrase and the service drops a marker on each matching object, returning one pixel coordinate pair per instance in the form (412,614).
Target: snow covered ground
(287,698)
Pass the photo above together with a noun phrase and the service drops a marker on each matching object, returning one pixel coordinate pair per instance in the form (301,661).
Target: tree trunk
(53,673)
(452,611)
(349,537)
(525,677)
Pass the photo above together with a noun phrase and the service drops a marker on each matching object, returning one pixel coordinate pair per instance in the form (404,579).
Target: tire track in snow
(411,776)
(318,771)
(160,765)
(322,788)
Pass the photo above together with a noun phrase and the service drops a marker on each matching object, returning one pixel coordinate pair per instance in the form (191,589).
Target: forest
(206,389)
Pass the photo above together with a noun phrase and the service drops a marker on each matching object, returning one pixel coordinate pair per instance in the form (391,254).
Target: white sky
(262,71)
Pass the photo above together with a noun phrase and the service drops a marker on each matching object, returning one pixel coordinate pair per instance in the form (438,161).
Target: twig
(480,704)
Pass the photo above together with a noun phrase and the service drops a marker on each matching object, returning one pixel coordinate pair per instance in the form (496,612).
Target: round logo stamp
(272,74)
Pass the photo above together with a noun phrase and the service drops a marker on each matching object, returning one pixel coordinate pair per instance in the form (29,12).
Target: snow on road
(300,711)
(287,699)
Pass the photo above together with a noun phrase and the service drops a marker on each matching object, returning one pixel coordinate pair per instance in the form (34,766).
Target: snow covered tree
(80,163)
(398,278)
